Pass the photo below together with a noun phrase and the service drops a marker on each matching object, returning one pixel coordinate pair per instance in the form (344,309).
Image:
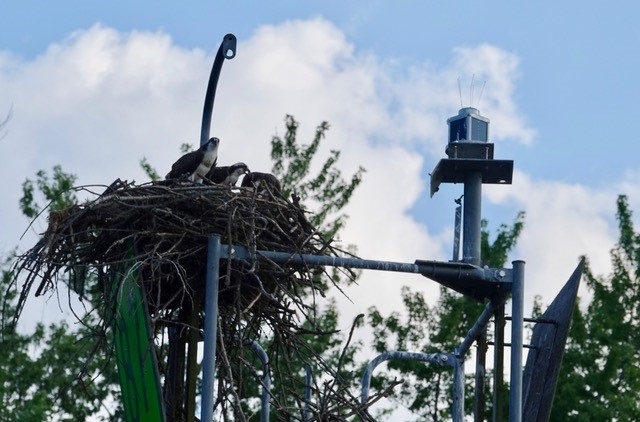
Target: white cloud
(499,70)
(563,222)
(100,100)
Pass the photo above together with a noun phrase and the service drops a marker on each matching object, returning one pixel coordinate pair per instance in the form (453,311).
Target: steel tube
(471,218)
(498,363)
(517,329)
(227,50)
(456,233)
(265,396)
(476,330)
(480,377)
(457,410)
(437,358)
(430,269)
(210,327)
(334,261)
(240,252)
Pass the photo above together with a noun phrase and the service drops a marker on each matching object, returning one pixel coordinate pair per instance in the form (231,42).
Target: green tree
(76,387)
(433,329)
(600,374)
(54,372)
(292,164)
(323,344)
(58,192)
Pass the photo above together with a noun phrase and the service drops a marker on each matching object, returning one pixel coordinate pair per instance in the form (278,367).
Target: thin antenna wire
(460,91)
(481,91)
(471,90)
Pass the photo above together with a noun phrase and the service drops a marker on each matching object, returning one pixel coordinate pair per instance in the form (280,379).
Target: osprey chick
(262,182)
(227,175)
(196,164)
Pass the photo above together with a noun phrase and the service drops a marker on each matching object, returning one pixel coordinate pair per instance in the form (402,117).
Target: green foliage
(600,376)
(151,172)
(66,374)
(56,192)
(46,374)
(324,344)
(432,329)
(55,372)
(292,165)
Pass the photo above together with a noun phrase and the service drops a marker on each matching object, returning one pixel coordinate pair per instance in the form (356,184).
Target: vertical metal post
(456,230)
(498,364)
(265,396)
(481,357)
(457,411)
(471,218)
(517,328)
(210,327)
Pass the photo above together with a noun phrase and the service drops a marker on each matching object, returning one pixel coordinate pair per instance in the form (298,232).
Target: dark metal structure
(548,341)
(470,162)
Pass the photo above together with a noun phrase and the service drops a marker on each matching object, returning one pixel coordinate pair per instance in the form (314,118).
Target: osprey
(262,182)
(227,175)
(196,164)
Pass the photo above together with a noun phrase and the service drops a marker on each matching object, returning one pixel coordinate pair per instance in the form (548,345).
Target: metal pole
(429,269)
(241,252)
(227,50)
(476,330)
(437,358)
(457,411)
(458,370)
(471,218)
(481,360)
(517,328)
(210,327)
(265,405)
(456,230)
(498,364)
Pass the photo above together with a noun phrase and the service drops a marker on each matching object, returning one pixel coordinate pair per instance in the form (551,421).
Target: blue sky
(95,86)
(574,87)
(573,90)
(578,67)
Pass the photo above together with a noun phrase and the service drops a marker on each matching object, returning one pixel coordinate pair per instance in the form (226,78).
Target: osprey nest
(161,229)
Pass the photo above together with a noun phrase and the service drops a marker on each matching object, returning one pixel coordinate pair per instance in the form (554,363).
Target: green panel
(135,354)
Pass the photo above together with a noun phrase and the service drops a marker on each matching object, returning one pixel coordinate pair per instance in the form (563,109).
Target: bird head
(239,168)
(211,144)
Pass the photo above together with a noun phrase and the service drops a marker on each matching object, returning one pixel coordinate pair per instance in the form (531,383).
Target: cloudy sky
(95,86)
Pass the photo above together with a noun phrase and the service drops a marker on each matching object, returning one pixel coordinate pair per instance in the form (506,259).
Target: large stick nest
(162,229)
